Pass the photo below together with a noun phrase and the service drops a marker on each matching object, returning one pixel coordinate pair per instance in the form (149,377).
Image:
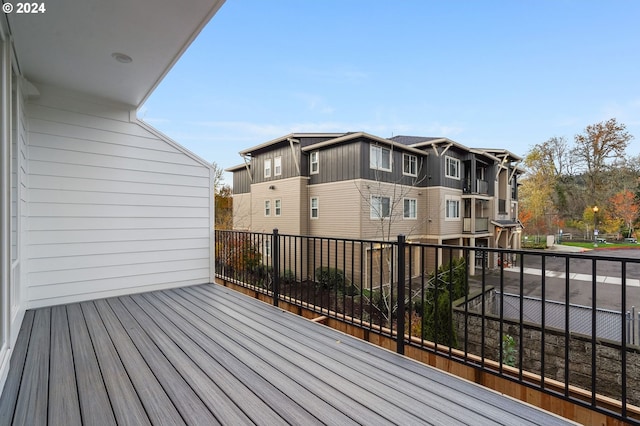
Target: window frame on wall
(314,162)
(377,155)
(267,168)
(451,201)
(377,207)
(407,161)
(277,207)
(448,161)
(413,208)
(277,166)
(313,208)
(267,208)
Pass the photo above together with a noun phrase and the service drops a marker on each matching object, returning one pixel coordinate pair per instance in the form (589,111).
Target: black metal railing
(455,307)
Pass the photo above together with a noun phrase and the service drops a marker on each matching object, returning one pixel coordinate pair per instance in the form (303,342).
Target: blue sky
(503,74)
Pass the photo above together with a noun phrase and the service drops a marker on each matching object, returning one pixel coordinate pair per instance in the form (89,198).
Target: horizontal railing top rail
(406,289)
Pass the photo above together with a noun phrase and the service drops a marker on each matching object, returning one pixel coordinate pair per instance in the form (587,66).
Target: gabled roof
(412,140)
(72,44)
(294,136)
(355,135)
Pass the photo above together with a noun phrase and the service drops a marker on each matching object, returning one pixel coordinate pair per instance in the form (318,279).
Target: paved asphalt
(607,265)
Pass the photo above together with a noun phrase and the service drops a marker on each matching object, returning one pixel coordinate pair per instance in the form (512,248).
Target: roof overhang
(350,136)
(72,44)
(294,136)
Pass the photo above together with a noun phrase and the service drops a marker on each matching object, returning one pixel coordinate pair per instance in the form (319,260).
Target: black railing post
(401,295)
(275,256)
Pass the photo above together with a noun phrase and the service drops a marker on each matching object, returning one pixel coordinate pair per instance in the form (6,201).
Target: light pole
(595,231)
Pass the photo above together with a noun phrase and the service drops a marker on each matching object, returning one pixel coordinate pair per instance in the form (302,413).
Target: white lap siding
(114,207)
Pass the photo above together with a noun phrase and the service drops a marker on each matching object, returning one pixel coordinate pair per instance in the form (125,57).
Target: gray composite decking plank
(154,398)
(474,397)
(18,358)
(402,391)
(350,400)
(269,384)
(362,386)
(64,407)
(187,402)
(206,376)
(127,407)
(95,407)
(31,407)
(414,377)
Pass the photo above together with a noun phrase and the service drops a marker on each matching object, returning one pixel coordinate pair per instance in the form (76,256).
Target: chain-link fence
(608,322)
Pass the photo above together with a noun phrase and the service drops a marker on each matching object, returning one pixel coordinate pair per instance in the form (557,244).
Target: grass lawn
(600,245)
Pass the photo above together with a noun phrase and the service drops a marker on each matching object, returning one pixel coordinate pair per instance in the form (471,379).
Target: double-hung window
(314,164)
(409,165)
(380,158)
(380,207)
(267,167)
(452,208)
(314,207)
(278,207)
(410,208)
(277,166)
(267,207)
(452,167)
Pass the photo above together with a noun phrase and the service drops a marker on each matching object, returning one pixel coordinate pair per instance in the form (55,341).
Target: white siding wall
(113,207)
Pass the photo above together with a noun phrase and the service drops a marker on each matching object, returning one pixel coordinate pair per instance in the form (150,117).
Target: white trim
(267,208)
(446,167)
(277,207)
(415,202)
(378,214)
(415,157)
(277,164)
(267,170)
(317,208)
(373,159)
(311,163)
(448,198)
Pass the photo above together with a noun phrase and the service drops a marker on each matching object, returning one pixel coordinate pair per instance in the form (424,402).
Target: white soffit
(71,44)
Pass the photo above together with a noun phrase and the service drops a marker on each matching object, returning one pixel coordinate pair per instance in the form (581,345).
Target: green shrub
(330,278)
(287,277)
(509,350)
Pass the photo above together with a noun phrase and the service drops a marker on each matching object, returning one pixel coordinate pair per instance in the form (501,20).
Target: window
(452,167)
(267,247)
(409,165)
(452,209)
(267,167)
(278,207)
(380,207)
(380,158)
(410,208)
(314,164)
(314,207)
(277,166)
(267,207)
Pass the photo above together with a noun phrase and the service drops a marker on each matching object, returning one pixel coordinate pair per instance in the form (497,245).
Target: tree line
(565,181)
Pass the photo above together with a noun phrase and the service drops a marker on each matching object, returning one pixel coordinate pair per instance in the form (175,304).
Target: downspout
(293,153)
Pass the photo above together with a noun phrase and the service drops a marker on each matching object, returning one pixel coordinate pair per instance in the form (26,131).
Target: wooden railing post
(401,295)
(275,256)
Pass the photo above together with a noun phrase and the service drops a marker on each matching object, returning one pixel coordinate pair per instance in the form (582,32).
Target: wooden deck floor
(206,355)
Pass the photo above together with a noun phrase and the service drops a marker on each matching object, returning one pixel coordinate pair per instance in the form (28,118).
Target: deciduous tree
(595,148)
(624,206)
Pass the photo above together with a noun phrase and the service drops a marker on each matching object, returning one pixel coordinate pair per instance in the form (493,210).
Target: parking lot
(606,263)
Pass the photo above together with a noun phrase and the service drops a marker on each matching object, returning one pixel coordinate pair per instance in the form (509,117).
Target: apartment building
(361,186)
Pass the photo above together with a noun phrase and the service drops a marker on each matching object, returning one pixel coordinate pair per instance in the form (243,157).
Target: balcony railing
(481,224)
(448,312)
